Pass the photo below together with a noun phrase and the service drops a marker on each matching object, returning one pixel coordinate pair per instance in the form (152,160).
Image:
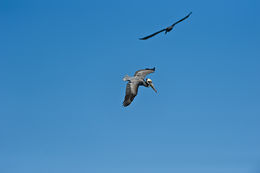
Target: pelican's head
(150,83)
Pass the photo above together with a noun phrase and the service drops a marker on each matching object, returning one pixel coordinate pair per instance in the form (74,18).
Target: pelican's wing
(182,19)
(144,72)
(149,36)
(130,93)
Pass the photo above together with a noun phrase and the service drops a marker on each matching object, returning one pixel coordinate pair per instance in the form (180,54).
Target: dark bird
(168,29)
(135,82)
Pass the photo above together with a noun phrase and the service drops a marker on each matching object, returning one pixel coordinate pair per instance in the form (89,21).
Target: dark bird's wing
(182,19)
(149,36)
(130,93)
(144,72)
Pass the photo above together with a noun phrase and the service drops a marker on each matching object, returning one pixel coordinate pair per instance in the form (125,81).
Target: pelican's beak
(151,84)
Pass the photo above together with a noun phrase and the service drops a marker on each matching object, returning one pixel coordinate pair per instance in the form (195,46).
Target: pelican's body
(134,82)
(168,29)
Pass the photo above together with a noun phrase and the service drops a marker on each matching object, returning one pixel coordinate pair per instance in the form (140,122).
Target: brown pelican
(168,29)
(135,82)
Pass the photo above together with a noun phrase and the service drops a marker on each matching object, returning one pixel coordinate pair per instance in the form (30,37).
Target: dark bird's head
(168,29)
(150,84)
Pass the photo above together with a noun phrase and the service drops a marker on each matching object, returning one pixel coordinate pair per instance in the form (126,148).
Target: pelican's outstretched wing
(144,72)
(182,19)
(130,93)
(149,36)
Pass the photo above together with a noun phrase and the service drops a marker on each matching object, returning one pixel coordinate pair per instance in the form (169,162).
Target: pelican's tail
(126,78)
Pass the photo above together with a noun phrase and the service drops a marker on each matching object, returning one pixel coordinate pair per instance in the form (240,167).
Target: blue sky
(61,69)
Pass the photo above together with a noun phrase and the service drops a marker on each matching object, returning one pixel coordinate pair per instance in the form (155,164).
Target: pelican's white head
(150,83)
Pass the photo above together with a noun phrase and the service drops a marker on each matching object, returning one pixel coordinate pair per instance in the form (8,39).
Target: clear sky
(61,90)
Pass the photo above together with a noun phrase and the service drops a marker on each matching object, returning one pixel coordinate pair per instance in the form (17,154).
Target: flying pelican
(135,82)
(168,29)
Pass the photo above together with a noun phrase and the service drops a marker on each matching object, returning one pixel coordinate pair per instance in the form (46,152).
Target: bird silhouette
(168,29)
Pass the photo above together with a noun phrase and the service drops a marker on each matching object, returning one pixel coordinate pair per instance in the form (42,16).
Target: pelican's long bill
(151,84)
